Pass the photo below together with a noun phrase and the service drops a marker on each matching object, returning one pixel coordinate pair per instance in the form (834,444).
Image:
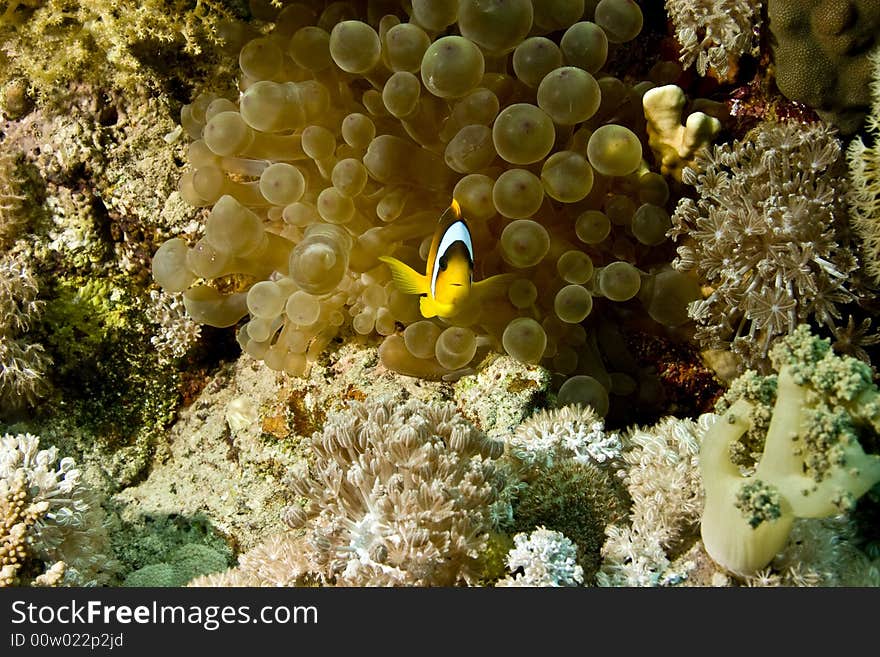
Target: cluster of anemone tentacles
(350,135)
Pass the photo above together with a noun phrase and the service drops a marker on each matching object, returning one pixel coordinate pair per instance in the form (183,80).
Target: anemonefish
(448,281)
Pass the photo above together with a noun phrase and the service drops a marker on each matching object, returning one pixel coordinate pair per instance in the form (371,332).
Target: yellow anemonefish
(448,280)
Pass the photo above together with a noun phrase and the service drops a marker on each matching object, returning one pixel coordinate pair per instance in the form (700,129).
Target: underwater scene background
(239,346)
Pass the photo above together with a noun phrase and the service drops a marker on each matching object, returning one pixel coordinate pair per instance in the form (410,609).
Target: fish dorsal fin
(448,217)
(407,279)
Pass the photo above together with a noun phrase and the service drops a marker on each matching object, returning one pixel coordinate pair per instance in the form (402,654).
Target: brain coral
(349,138)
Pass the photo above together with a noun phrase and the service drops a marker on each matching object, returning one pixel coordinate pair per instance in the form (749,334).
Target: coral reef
(399,494)
(864,173)
(542,558)
(768,234)
(821,55)
(714,33)
(53,521)
(181,182)
(812,464)
(663,480)
(22,363)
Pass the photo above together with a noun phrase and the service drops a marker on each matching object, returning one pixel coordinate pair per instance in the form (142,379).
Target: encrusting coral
(399,494)
(349,138)
(811,464)
(821,55)
(768,235)
(53,520)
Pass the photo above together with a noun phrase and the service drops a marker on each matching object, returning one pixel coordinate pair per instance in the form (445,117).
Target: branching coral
(399,494)
(22,363)
(767,233)
(53,520)
(714,33)
(16,519)
(812,464)
(675,145)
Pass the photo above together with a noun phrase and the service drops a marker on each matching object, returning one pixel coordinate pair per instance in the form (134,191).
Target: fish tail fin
(407,279)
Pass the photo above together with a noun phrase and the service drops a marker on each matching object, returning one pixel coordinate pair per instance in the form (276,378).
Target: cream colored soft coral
(60,514)
(767,235)
(663,479)
(714,33)
(812,464)
(399,494)
(864,169)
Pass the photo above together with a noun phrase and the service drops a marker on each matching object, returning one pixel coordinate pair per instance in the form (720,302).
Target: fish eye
(443,263)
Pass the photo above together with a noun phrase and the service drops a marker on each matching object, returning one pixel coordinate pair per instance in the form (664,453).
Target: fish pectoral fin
(427,307)
(432,308)
(407,279)
(493,286)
